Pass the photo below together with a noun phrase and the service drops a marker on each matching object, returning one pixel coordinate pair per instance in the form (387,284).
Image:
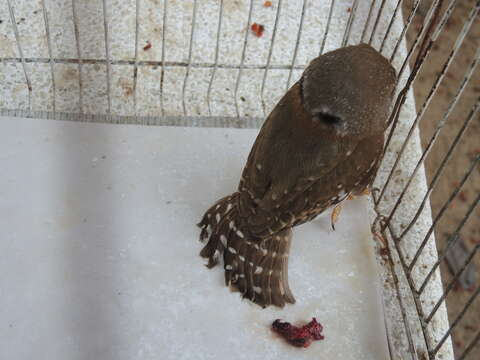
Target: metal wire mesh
(403,223)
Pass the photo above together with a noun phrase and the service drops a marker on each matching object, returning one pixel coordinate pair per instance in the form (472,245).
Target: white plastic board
(99,252)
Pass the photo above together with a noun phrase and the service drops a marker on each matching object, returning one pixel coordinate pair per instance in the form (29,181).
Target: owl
(321,144)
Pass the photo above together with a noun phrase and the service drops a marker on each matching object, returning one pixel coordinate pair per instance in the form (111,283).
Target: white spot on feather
(229,207)
(228,267)
(258,270)
(257,289)
(259,166)
(217,217)
(223,240)
(241,258)
(232,250)
(240,234)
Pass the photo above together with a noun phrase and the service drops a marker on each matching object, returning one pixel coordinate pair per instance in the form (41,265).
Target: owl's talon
(335,214)
(366,191)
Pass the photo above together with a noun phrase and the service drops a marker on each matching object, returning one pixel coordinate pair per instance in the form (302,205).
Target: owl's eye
(327,118)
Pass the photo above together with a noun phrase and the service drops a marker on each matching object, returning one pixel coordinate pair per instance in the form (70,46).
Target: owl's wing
(277,175)
(275,160)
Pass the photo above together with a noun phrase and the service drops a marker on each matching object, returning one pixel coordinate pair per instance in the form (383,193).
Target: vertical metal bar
(269,57)
(367,22)
(297,43)
(348,27)
(442,210)
(396,282)
(377,19)
(79,55)
(405,28)
(190,47)
(162,72)
(423,109)
(436,33)
(451,241)
(440,126)
(327,28)
(426,45)
(20,51)
(442,166)
(107,53)
(215,64)
(242,60)
(455,322)
(392,20)
(49,45)
(470,346)
(416,299)
(445,17)
(452,283)
(135,66)
(421,33)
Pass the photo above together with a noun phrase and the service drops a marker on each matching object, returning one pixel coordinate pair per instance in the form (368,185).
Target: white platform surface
(99,252)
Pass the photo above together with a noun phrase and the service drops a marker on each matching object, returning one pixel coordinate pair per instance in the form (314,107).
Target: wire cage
(198,63)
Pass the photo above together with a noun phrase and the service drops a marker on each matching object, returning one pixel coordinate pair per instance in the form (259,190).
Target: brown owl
(321,143)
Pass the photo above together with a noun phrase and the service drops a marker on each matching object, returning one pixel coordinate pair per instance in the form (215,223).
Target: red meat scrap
(148,46)
(299,336)
(257,29)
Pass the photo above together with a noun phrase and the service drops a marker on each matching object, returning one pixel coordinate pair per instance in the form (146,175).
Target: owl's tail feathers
(270,270)
(258,268)
(217,225)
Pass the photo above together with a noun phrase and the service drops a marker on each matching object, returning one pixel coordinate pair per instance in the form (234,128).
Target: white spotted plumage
(291,176)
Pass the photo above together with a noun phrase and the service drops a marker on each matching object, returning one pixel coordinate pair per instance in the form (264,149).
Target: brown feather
(322,142)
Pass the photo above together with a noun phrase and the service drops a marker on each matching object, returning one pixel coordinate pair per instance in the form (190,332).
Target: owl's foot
(338,208)
(335,214)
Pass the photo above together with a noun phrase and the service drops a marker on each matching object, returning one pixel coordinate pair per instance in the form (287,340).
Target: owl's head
(349,91)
